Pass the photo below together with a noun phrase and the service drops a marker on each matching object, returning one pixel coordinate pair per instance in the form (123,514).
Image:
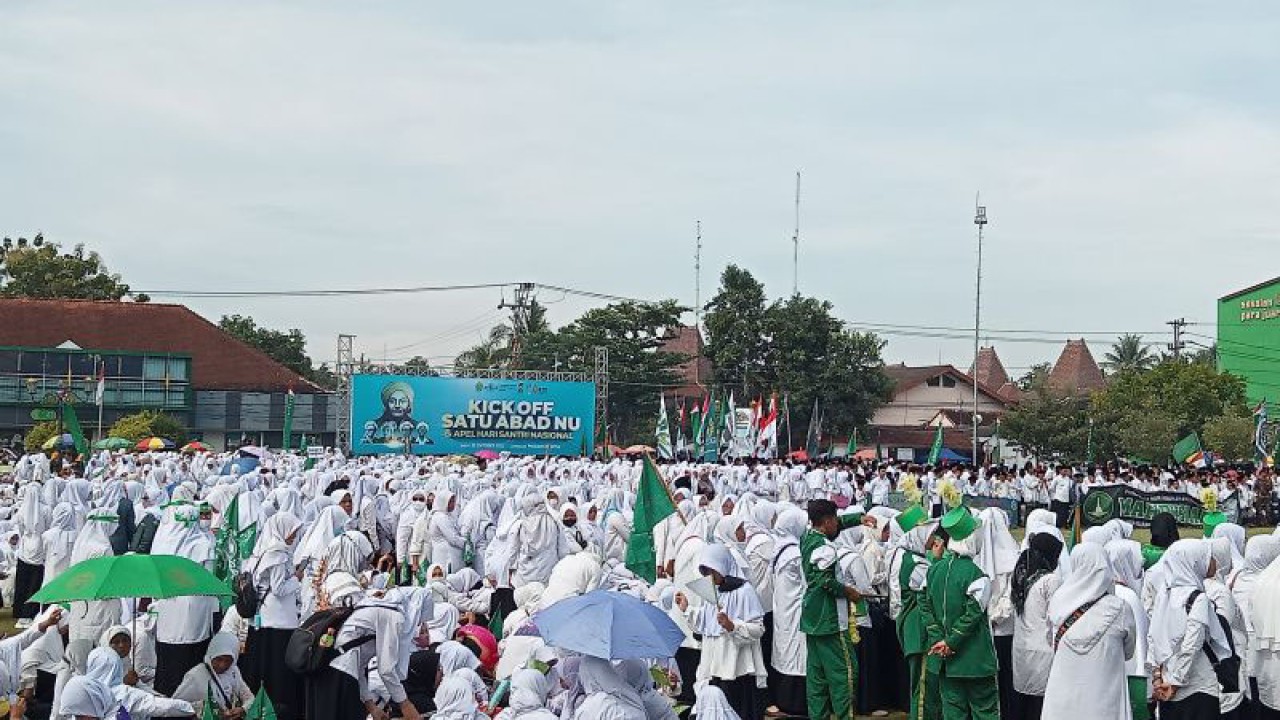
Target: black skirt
(882,670)
(173,661)
(264,657)
(743,696)
(687,660)
(333,695)
(26,581)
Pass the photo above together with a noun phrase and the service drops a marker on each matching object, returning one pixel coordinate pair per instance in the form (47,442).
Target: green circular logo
(1099,507)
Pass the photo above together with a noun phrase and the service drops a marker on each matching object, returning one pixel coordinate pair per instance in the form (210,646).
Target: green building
(1249,339)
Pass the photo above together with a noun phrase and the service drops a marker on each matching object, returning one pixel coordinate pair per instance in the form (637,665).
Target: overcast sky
(1129,155)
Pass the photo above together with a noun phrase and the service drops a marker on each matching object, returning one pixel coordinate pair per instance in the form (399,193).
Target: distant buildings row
(925,397)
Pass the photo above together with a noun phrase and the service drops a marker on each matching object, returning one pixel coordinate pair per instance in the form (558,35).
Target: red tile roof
(1076,371)
(696,371)
(990,370)
(905,378)
(218,360)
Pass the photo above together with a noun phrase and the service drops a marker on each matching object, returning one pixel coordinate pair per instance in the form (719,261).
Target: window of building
(9,361)
(154,368)
(178,369)
(130,366)
(941,381)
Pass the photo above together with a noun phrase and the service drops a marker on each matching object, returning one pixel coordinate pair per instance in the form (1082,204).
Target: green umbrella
(112,443)
(131,576)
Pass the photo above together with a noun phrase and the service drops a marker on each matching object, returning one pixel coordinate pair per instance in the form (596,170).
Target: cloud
(1129,158)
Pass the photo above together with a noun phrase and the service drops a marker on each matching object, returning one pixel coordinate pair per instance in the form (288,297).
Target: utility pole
(1176,346)
(520,308)
(795,244)
(697,296)
(979,219)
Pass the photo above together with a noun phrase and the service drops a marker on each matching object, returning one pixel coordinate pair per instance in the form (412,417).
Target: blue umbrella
(240,466)
(609,625)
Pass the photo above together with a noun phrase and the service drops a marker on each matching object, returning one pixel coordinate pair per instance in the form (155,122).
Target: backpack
(144,534)
(308,652)
(245,594)
(1227,669)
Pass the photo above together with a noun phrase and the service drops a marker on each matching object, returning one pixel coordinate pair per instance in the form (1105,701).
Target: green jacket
(818,613)
(911,630)
(950,614)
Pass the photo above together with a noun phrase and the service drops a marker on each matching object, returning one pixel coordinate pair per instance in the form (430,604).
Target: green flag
(209,713)
(288,420)
(663,433)
(695,427)
(935,452)
(262,707)
(852,448)
(653,505)
(72,423)
(1186,448)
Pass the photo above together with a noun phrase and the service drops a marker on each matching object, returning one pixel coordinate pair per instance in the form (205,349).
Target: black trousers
(173,661)
(264,655)
(1004,675)
(333,695)
(1196,707)
(1025,707)
(1062,511)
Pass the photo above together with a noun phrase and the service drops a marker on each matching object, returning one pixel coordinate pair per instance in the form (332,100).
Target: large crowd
(836,588)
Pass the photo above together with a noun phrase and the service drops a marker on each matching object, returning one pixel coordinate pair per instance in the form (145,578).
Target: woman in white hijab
(731,632)
(455,700)
(1265,640)
(217,678)
(538,541)
(86,699)
(1224,605)
(712,704)
(789,649)
(387,629)
(448,546)
(59,540)
(636,674)
(1182,623)
(1259,553)
(275,577)
(106,667)
(528,697)
(997,557)
(1126,567)
(1094,634)
(608,696)
(89,619)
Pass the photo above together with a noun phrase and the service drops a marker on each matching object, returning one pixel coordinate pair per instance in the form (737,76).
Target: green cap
(1211,521)
(959,523)
(911,518)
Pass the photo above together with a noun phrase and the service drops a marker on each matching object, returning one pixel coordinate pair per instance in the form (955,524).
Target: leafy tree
(1148,432)
(287,348)
(1205,356)
(42,270)
(1036,377)
(1129,353)
(418,365)
(149,423)
(1046,424)
(736,342)
(812,357)
(633,333)
(39,434)
(497,349)
(1230,436)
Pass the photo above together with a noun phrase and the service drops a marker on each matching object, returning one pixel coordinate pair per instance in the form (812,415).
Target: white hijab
(1091,579)
(1266,608)
(1184,568)
(455,700)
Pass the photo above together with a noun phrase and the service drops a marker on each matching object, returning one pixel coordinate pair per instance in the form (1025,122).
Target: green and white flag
(664,429)
(653,505)
(935,452)
(288,420)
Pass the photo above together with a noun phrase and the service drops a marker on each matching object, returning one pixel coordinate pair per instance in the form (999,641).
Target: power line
(319,293)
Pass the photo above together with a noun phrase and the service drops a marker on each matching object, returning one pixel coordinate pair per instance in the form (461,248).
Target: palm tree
(494,351)
(1129,353)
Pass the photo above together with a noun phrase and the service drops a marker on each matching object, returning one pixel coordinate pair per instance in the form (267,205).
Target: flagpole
(102,394)
(786,405)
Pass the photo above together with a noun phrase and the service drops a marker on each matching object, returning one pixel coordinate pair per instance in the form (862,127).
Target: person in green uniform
(917,537)
(831,670)
(954,609)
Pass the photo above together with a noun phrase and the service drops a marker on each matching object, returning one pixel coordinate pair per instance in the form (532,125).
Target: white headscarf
(455,655)
(84,697)
(741,604)
(1184,567)
(1266,608)
(998,552)
(273,547)
(599,677)
(1126,563)
(329,524)
(1091,579)
(95,538)
(712,704)
(455,700)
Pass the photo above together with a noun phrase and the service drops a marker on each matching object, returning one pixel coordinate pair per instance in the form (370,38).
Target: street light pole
(979,219)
